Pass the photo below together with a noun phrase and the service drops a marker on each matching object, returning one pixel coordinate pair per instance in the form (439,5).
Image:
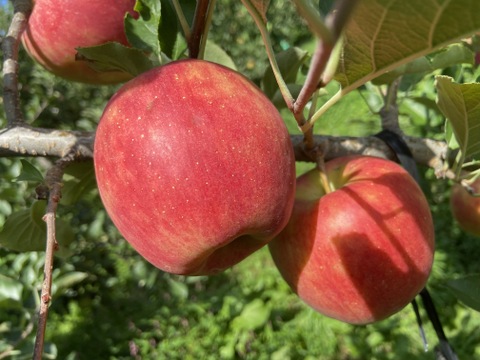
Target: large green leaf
(155,29)
(116,57)
(384,34)
(460,103)
(26,231)
(467,290)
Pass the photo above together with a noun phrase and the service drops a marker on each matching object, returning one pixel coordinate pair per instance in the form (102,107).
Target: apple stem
(323,175)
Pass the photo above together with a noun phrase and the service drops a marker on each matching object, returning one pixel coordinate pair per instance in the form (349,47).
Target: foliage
(109,303)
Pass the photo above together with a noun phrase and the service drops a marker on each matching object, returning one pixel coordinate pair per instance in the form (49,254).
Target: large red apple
(56,27)
(466,208)
(362,251)
(194,166)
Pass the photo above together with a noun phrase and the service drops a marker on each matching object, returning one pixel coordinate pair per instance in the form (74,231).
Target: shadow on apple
(363,251)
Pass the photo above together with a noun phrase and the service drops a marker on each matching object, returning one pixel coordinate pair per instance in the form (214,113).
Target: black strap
(404,156)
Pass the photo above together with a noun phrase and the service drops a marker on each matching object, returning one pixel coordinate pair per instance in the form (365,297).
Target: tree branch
(29,141)
(10,45)
(53,181)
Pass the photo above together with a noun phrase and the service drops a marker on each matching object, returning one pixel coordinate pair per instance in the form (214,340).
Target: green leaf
(29,173)
(289,62)
(467,290)
(460,104)
(116,57)
(67,281)
(450,136)
(384,34)
(79,181)
(10,289)
(178,289)
(26,231)
(168,28)
(155,30)
(142,33)
(216,54)
(254,315)
(452,55)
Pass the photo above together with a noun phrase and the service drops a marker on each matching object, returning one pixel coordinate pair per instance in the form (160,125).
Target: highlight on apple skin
(363,251)
(57,27)
(195,167)
(466,207)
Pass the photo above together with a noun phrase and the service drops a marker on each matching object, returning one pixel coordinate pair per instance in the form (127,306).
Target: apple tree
(206,110)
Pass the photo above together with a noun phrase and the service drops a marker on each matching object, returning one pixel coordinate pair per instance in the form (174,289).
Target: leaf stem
(182,19)
(259,20)
(322,173)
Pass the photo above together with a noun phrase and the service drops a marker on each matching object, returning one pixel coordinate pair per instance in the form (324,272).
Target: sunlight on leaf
(460,104)
(449,56)
(384,34)
(216,54)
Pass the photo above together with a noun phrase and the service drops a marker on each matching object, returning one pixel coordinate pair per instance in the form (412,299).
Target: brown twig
(10,45)
(198,28)
(53,181)
(336,21)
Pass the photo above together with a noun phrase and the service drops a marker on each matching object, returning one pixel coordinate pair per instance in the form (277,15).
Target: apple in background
(362,251)
(466,208)
(195,167)
(56,27)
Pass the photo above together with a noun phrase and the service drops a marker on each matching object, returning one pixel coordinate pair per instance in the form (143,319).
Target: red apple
(194,166)
(362,251)
(466,208)
(56,27)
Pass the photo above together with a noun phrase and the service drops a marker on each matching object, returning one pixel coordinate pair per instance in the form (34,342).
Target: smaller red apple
(57,27)
(466,207)
(363,251)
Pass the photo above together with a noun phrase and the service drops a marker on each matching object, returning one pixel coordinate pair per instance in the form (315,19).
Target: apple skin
(194,166)
(56,27)
(465,208)
(363,251)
